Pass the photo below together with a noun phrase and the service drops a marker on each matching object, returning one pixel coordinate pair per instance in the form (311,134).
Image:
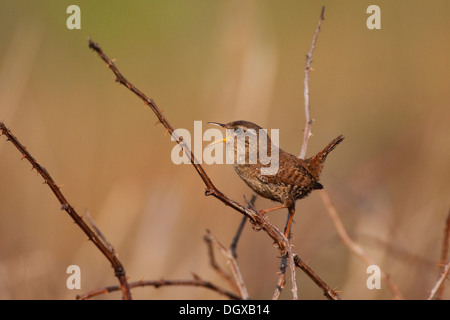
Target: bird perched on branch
(285,178)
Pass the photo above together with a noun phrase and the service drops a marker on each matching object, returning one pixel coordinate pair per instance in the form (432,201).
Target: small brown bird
(285,179)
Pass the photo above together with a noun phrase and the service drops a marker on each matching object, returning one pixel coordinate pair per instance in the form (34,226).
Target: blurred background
(385,90)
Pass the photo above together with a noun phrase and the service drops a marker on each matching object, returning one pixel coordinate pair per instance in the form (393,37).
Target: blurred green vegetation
(385,90)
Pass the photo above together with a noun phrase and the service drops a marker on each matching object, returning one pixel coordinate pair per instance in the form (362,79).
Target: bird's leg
(287,230)
(291,208)
(264,211)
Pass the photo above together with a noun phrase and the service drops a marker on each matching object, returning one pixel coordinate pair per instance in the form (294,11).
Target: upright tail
(316,162)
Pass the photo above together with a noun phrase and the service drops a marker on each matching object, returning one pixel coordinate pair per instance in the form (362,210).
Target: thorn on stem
(322,13)
(256,226)
(195,276)
(93,45)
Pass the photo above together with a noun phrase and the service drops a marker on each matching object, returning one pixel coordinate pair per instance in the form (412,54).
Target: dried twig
(345,238)
(444,255)
(308,124)
(446,241)
(231,261)
(290,256)
(440,282)
(306,135)
(257,219)
(216,266)
(232,249)
(281,279)
(282,273)
(196,282)
(119,270)
(237,236)
(286,259)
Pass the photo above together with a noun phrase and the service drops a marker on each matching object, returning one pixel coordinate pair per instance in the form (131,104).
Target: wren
(293,179)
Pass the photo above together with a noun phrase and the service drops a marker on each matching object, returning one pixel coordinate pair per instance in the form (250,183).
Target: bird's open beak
(217,124)
(219,140)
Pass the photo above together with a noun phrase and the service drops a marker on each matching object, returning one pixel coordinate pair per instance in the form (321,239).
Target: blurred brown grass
(385,90)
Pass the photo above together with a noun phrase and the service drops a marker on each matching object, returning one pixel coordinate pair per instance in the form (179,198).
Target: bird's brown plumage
(295,177)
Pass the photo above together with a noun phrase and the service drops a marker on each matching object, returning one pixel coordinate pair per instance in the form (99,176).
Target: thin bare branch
(237,236)
(444,255)
(290,260)
(216,266)
(119,270)
(283,264)
(308,120)
(446,241)
(232,249)
(285,258)
(440,282)
(196,282)
(345,238)
(306,135)
(281,279)
(232,263)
